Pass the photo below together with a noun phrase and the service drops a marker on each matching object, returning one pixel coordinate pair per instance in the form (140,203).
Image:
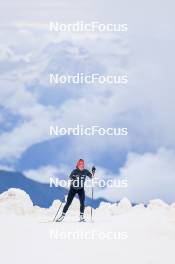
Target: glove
(93,170)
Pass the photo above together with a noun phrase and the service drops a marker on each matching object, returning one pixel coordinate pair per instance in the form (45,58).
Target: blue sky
(28,52)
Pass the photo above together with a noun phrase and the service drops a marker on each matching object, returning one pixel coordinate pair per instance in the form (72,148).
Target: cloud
(6,168)
(140,106)
(22,97)
(43,174)
(149,175)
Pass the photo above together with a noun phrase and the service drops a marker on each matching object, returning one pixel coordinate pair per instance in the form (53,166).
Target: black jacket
(78,178)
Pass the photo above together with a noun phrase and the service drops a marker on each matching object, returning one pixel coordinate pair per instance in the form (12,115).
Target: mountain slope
(40,193)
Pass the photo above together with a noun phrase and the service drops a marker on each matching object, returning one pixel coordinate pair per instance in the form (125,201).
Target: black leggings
(71,194)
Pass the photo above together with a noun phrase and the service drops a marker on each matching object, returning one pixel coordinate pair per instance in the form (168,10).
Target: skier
(77,178)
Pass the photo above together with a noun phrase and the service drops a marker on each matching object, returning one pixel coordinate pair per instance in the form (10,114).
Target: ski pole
(93,173)
(57,211)
(92,202)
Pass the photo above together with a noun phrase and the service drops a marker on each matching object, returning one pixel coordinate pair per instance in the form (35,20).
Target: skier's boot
(61,218)
(82,218)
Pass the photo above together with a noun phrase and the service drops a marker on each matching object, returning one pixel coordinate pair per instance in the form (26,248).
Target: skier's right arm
(72,175)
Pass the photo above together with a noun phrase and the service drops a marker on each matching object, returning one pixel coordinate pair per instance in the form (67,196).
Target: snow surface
(120,233)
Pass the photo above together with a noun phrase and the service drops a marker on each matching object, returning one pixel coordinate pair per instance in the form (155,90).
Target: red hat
(80,161)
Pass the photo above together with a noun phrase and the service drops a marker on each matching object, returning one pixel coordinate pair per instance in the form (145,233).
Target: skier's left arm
(89,174)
